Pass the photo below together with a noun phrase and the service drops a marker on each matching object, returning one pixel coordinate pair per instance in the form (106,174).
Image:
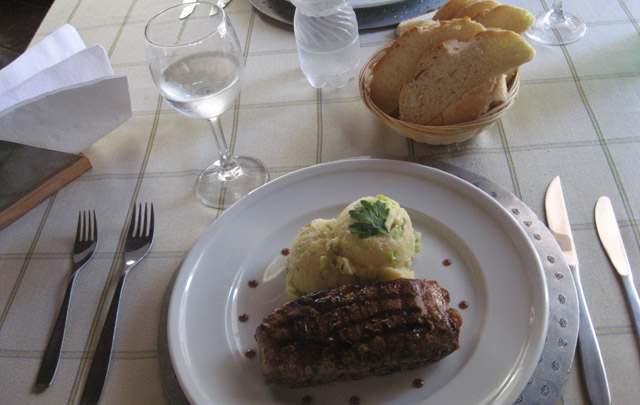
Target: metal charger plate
(368,17)
(546,383)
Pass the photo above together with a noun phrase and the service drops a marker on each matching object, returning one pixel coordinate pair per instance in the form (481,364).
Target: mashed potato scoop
(371,240)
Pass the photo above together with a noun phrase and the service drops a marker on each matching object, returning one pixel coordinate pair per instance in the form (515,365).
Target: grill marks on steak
(357,330)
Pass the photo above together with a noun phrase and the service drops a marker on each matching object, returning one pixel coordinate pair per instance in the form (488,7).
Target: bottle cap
(318,8)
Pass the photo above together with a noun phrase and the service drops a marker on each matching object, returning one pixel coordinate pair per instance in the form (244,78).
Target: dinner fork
(136,247)
(83,249)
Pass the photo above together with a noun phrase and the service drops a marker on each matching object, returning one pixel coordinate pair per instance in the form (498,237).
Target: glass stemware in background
(197,63)
(555,27)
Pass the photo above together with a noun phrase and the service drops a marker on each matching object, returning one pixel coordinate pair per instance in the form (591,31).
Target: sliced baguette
(475,103)
(391,71)
(449,10)
(475,7)
(453,68)
(506,17)
(413,22)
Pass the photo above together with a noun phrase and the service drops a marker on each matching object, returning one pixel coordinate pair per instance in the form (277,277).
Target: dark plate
(368,17)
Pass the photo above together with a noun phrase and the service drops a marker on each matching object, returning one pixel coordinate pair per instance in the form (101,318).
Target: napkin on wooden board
(62,95)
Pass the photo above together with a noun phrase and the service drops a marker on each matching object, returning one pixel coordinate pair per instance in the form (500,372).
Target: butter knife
(609,233)
(592,366)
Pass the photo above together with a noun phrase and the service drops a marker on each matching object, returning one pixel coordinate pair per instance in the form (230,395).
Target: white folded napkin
(64,42)
(62,95)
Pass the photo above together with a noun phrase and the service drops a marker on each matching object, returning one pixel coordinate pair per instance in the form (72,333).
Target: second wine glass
(197,63)
(555,27)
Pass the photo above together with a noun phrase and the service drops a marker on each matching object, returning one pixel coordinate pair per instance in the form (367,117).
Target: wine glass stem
(218,135)
(557,10)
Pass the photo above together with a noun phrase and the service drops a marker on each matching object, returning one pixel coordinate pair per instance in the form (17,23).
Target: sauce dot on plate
(418,383)
(446,262)
(285,251)
(250,353)
(243,318)
(463,305)
(253,283)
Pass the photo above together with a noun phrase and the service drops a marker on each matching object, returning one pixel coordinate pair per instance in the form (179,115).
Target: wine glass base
(556,28)
(219,188)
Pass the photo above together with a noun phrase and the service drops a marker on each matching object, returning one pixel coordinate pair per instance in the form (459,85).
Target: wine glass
(555,27)
(197,63)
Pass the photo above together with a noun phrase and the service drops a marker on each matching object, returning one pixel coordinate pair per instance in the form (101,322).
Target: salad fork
(83,249)
(136,247)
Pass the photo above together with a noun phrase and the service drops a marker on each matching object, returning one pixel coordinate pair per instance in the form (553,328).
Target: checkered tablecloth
(577,116)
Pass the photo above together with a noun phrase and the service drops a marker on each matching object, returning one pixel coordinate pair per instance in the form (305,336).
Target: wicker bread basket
(431,134)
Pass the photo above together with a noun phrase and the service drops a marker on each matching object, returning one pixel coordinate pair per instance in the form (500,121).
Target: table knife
(595,376)
(609,233)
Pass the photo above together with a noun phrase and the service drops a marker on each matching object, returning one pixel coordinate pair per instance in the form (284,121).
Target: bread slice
(449,10)
(506,17)
(475,7)
(453,68)
(475,102)
(391,71)
(406,25)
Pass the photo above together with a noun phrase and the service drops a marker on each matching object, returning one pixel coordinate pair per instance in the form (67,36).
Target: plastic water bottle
(328,43)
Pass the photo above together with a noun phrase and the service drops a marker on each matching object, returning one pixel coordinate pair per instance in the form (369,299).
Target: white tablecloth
(577,116)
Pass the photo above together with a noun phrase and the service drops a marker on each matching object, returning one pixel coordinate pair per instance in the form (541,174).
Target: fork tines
(141,226)
(87,228)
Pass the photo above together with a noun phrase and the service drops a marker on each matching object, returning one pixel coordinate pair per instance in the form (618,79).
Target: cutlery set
(137,245)
(609,233)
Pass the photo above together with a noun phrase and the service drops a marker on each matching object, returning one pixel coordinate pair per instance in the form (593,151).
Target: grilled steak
(356,331)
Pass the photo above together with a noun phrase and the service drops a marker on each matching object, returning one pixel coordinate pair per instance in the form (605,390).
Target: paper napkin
(62,95)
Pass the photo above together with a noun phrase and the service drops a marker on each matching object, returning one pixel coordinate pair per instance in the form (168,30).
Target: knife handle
(634,302)
(593,370)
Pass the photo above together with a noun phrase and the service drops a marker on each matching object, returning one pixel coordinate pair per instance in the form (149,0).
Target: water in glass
(202,85)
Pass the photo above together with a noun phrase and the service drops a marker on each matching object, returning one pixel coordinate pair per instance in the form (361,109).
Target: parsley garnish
(370,219)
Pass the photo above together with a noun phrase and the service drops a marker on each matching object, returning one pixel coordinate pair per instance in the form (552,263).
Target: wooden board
(30,175)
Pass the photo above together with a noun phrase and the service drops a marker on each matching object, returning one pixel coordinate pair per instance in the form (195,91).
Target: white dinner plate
(494,267)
